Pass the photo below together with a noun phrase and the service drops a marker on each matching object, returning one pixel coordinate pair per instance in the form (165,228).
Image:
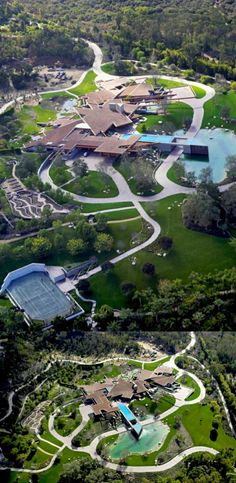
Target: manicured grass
(189,382)
(93,207)
(94,184)
(31,115)
(192,252)
(169,84)
(39,460)
(198,91)
(121,215)
(213,111)
(64,423)
(48,436)
(52,95)
(43,115)
(88,85)
(197,420)
(47,447)
(150,366)
(66,456)
(60,174)
(52,475)
(177,115)
(5,303)
(149,406)
(126,173)
(172,175)
(108,68)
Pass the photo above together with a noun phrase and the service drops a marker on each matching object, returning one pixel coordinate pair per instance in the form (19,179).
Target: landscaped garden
(192,251)
(139,173)
(95,184)
(220,111)
(86,86)
(178,115)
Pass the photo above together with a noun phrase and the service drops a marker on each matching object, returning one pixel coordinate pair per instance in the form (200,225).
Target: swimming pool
(220,143)
(152,436)
(152,138)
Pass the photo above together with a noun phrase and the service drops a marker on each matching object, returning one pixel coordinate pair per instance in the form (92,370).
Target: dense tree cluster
(205,302)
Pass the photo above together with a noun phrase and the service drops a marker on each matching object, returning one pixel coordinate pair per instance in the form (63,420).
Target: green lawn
(169,84)
(60,174)
(177,115)
(198,91)
(51,95)
(6,303)
(52,475)
(150,366)
(126,173)
(192,252)
(94,184)
(64,423)
(172,175)
(39,460)
(149,406)
(31,115)
(121,215)
(47,447)
(108,68)
(93,207)
(189,382)
(213,111)
(87,85)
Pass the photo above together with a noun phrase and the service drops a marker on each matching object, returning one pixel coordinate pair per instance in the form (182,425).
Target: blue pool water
(129,416)
(151,138)
(220,143)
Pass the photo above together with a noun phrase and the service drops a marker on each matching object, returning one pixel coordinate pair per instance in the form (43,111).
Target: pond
(221,144)
(152,437)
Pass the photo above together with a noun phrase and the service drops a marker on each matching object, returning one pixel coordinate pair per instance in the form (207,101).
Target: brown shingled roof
(122,389)
(136,90)
(101,119)
(163,380)
(99,97)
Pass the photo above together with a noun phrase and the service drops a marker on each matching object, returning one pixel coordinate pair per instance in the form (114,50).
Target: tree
(165,242)
(128,288)
(149,269)
(104,243)
(205,176)
(39,247)
(107,266)
(86,232)
(200,210)
(230,167)
(228,201)
(83,285)
(80,168)
(101,222)
(75,246)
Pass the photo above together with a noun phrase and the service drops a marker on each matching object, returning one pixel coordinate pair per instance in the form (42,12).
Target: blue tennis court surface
(40,298)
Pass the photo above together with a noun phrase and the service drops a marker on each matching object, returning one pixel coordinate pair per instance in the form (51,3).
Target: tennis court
(40,298)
